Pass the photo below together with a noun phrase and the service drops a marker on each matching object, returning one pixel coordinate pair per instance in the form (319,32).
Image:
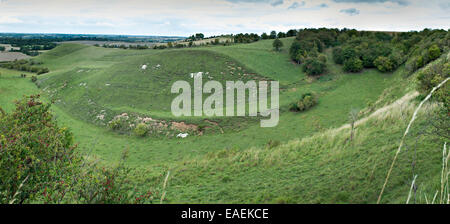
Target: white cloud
(176,17)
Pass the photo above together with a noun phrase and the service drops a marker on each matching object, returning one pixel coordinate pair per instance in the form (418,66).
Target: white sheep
(144,67)
(182,135)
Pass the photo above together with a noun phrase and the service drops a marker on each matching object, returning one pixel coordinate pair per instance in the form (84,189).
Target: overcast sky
(212,17)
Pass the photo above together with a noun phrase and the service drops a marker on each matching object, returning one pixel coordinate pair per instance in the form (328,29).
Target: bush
(384,64)
(43,71)
(141,130)
(434,52)
(305,102)
(353,65)
(38,164)
(34,151)
(314,66)
(338,55)
(33,78)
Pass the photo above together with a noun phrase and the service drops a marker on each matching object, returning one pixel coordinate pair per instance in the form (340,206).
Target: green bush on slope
(38,163)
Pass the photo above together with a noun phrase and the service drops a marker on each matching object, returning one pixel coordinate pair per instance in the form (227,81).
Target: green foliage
(434,52)
(384,64)
(34,151)
(423,50)
(338,55)
(353,65)
(314,66)
(431,77)
(141,130)
(33,78)
(38,163)
(246,38)
(26,66)
(305,102)
(277,44)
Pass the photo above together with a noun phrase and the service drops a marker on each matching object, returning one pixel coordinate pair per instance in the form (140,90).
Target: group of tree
(387,51)
(246,38)
(197,36)
(307,49)
(356,50)
(28,46)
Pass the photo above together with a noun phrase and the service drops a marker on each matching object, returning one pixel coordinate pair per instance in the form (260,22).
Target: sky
(215,17)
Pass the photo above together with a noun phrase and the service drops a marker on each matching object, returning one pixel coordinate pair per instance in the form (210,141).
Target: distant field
(8,47)
(11,56)
(94,42)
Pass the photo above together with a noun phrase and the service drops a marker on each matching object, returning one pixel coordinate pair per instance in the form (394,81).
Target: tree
(281,35)
(384,64)
(273,34)
(313,66)
(434,52)
(277,44)
(199,36)
(291,33)
(338,55)
(264,36)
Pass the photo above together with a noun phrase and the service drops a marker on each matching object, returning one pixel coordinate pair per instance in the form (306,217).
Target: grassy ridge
(323,168)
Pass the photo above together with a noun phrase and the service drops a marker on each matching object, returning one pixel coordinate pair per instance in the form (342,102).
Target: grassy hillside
(305,159)
(323,168)
(74,64)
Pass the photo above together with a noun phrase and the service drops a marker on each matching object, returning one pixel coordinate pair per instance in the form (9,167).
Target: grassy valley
(308,158)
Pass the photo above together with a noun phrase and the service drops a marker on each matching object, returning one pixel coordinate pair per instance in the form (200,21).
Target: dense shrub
(314,66)
(353,65)
(384,64)
(34,151)
(305,102)
(338,55)
(431,77)
(25,65)
(141,130)
(38,164)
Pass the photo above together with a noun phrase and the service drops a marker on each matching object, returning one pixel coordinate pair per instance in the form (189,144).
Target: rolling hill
(307,158)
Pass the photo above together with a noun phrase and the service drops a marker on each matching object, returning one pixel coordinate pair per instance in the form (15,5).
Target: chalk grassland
(244,164)
(337,92)
(323,168)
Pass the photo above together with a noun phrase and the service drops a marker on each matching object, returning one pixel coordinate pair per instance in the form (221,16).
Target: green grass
(235,166)
(324,168)
(13,87)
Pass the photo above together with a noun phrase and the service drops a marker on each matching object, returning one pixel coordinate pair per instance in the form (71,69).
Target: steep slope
(324,168)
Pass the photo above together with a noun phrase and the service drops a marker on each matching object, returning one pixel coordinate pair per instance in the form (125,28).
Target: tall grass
(406,133)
